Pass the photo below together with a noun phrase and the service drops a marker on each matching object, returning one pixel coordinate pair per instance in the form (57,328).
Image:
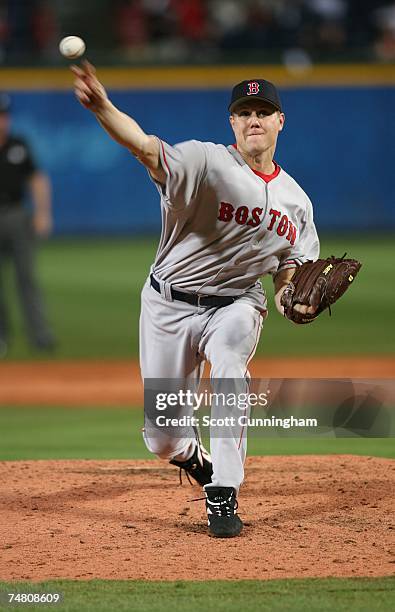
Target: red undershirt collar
(266,177)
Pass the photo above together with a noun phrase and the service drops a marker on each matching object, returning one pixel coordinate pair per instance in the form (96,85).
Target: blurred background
(196,31)
(171,65)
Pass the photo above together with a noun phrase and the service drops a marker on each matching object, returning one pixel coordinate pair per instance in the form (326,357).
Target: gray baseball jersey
(223,227)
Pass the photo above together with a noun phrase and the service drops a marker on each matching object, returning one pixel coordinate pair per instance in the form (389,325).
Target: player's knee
(164,447)
(161,448)
(228,364)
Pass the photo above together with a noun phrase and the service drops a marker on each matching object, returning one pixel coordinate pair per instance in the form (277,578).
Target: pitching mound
(304,516)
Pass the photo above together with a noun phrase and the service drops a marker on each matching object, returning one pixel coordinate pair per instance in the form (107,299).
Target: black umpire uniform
(17,235)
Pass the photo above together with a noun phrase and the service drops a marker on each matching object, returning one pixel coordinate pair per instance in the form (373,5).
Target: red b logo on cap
(253,88)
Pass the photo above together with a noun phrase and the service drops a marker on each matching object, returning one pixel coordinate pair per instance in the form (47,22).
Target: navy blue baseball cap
(5,102)
(259,89)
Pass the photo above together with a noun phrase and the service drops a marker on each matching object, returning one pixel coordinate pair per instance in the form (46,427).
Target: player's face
(256,127)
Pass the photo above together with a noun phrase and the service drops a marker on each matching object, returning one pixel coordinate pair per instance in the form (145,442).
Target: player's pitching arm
(281,280)
(122,128)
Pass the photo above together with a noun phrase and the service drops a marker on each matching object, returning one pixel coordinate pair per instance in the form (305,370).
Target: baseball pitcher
(230,215)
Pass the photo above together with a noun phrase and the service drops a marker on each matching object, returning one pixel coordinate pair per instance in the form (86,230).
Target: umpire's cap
(255,88)
(5,103)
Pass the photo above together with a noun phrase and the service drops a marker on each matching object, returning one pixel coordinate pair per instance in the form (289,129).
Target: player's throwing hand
(88,89)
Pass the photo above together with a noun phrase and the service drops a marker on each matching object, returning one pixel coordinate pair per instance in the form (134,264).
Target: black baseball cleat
(199,466)
(221,506)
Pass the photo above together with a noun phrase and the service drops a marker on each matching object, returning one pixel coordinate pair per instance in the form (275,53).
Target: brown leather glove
(318,284)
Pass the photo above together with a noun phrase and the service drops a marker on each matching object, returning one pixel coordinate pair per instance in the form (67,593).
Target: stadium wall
(336,142)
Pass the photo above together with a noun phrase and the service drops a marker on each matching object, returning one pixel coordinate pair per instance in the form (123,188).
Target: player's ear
(232,120)
(281,118)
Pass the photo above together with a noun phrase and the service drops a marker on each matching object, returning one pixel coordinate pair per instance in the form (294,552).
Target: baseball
(72,47)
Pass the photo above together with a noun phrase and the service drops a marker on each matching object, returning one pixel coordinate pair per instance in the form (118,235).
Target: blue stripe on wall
(336,144)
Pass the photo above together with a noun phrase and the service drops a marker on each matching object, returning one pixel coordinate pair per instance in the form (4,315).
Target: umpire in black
(19,228)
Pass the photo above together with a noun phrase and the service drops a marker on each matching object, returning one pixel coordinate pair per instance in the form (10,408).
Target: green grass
(92,290)
(324,595)
(115,433)
(71,433)
(93,294)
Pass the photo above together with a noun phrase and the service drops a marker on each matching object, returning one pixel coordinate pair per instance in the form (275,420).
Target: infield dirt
(118,383)
(304,516)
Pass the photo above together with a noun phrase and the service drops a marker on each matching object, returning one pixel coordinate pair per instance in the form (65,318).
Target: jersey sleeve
(307,247)
(185,165)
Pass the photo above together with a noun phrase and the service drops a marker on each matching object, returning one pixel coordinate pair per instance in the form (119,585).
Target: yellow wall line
(197,77)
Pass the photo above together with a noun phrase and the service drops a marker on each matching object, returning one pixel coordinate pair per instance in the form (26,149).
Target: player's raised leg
(170,363)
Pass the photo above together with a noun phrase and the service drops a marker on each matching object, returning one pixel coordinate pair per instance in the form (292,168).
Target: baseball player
(230,215)
(19,230)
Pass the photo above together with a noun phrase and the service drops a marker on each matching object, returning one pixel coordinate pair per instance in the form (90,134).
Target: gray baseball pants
(175,340)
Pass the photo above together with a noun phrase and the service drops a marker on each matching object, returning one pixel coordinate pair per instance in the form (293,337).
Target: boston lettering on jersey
(242,216)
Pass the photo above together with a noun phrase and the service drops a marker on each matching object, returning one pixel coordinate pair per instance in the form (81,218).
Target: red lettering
(241,215)
(282,226)
(255,213)
(275,214)
(225,211)
(292,233)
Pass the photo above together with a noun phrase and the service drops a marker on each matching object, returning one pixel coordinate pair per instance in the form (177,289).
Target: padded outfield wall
(337,141)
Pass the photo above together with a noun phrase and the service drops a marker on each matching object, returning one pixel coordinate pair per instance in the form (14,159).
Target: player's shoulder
(210,152)
(291,184)
(200,144)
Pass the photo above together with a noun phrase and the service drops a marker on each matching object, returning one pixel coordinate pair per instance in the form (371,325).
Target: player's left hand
(300,308)
(316,285)
(303,309)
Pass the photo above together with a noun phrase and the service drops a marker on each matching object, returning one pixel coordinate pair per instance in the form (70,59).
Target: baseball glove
(319,284)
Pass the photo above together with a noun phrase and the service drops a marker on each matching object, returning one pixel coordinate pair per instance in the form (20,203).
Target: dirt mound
(304,516)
